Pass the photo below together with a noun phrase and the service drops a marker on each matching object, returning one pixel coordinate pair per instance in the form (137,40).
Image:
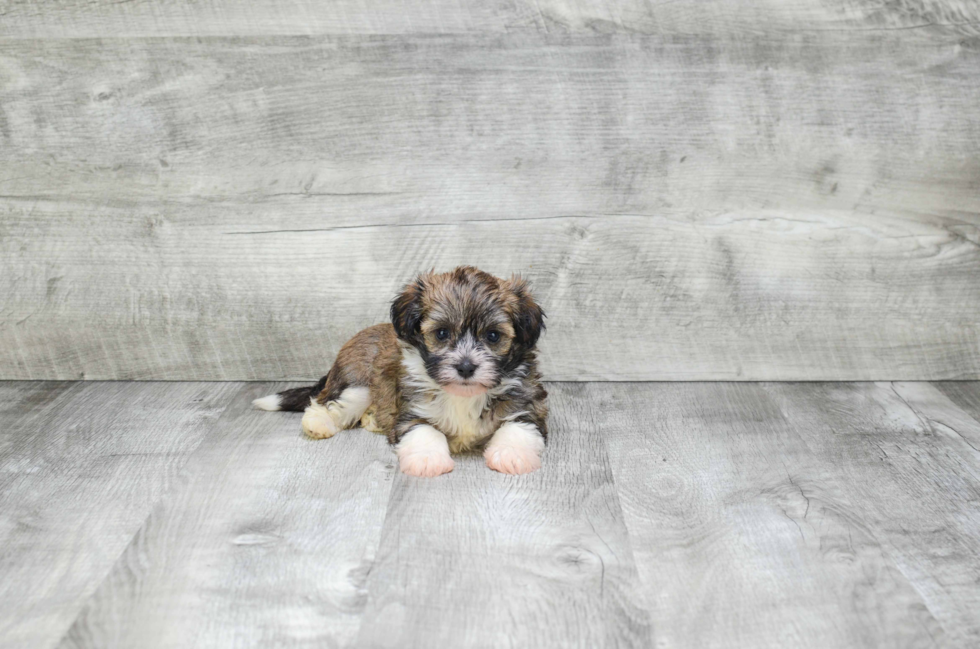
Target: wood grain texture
(798,207)
(744,537)
(669,515)
(943,415)
(965,394)
(268,542)
(508,126)
(84,18)
(80,467)
(908,464)
(477,558)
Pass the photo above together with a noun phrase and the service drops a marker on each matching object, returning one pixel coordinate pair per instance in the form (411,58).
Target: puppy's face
(471,329)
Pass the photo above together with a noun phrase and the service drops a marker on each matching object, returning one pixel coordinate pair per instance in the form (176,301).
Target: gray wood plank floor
(666,514)
(81,464)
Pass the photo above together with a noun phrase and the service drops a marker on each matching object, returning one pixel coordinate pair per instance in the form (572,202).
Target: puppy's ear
(527,316)
(406,311)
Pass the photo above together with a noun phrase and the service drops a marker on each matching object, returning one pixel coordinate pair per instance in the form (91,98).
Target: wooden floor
(666,515)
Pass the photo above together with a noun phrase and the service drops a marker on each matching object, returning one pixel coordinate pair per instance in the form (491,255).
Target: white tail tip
(270,403)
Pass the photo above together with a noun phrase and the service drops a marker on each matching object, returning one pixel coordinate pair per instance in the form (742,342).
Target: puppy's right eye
(442,334)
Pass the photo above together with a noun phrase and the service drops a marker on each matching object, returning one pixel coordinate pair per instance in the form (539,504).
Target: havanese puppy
(455,371)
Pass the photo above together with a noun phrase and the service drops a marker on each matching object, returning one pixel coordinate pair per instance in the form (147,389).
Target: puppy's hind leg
(323,420)
(369,421)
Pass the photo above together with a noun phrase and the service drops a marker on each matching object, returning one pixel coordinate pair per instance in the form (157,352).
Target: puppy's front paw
(515,449)
(514,460)
(319,422)
(424,452)
(426,465)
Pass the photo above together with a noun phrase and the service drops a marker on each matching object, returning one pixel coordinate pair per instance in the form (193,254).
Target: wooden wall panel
(689,207)
(735,296)
(510,126)
(103,18)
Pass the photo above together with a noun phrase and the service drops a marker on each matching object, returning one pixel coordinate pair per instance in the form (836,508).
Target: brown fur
(465,301)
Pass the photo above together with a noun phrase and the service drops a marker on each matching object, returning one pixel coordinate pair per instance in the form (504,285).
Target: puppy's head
(471,328)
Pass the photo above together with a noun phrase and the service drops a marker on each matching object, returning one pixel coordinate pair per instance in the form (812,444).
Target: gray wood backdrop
(725,189)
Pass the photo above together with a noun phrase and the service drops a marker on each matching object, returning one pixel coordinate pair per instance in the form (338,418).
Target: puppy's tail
(295,399)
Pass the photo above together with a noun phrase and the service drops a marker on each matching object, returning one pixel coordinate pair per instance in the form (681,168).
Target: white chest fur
(460,419)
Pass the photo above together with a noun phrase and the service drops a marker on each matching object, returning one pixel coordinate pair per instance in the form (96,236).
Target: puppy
(456,370)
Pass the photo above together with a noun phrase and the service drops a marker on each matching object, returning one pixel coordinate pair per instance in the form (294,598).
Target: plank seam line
(374,562)
(641,586)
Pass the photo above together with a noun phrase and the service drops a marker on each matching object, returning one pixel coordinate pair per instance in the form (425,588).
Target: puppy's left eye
(442,334)
(492,336)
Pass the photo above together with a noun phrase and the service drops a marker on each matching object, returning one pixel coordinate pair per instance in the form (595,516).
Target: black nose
(466,368)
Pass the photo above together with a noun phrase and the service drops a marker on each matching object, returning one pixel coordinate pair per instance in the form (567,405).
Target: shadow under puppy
(456,370)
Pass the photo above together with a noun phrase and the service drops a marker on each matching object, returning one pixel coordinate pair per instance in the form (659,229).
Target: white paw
(512,460)
(515,449)
(319,422)
(426,465)
(424,452)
